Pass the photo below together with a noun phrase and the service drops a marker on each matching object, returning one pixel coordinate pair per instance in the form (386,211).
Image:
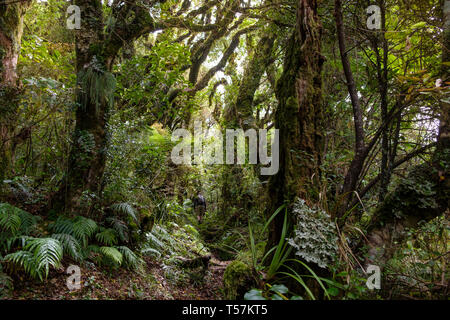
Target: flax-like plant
(281,251)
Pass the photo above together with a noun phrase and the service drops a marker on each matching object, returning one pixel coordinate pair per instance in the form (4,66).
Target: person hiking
(200,206)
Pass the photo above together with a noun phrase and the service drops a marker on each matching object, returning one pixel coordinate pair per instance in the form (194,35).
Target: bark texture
(96,49)
(299,117)
(11,30)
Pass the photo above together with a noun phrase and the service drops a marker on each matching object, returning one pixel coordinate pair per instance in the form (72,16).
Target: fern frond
(47,252)
(62,225)
(120,227)
(130,259)
(26,260)
(28,221)
(9,219)
(83,229)
(125,209)
(107,237)
(112,253)
(71,246)
(18,241)
(153,241)
(98,86)
(6,284)
(93,248)
(147,251)
(80,228)
(15,221)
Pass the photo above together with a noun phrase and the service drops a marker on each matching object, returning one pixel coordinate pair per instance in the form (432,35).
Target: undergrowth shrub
(26,249)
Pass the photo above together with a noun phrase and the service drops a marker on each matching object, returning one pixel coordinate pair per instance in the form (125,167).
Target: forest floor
(101,284)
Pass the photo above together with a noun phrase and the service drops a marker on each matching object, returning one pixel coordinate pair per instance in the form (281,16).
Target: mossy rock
(237,280)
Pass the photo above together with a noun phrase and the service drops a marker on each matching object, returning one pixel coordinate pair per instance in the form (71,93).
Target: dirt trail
(210,288)
(123,284)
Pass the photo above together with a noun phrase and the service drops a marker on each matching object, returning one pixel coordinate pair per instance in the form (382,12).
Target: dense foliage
(86,123)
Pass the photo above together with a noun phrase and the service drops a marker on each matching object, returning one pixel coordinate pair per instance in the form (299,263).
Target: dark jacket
(199,201)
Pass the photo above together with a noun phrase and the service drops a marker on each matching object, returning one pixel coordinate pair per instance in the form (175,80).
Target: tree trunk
(361,150)
(96,50)
(11,29)
(94,94)
(299,117)
(240,114)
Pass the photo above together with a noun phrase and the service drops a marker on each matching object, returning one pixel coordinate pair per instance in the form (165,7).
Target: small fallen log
(200,261)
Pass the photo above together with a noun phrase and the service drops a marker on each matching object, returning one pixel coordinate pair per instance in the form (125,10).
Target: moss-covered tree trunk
(96,49)
(299,117)
(425,193)
(95,86)
(11,29)
(240,115)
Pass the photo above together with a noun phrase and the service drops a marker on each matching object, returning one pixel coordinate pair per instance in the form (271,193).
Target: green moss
(238,279)
(415,196)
